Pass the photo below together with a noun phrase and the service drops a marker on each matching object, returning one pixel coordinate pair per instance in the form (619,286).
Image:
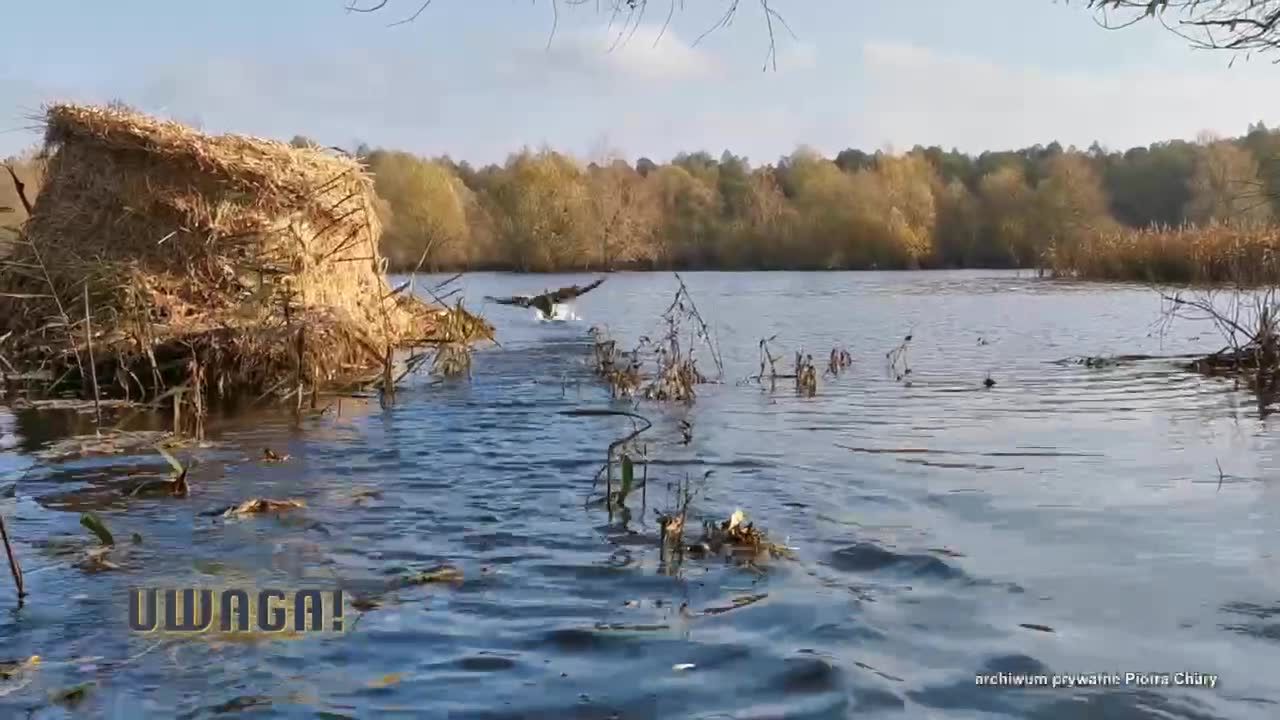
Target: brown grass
(244,265)
(1246,255)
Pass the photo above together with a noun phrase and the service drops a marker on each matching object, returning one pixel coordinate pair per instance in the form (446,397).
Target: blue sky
(477,80)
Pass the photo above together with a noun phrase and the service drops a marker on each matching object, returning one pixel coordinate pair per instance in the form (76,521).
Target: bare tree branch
(1240,26)
(632,13)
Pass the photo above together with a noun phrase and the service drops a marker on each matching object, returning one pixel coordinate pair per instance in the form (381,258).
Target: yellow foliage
(541,207)
(424,214)
(1225,186)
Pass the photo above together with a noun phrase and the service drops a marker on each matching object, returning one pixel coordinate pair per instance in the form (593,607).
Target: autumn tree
(908,182)
(1224,186)
(541,211)
(690,211)
(1008,208)
(957,237)
(1071,206)
(825,203)
(626,214)
(424,216)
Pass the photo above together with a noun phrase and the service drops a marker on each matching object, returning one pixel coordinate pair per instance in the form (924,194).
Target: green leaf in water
(95,526)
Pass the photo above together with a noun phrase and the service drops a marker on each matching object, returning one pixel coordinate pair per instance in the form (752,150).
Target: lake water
(932,523)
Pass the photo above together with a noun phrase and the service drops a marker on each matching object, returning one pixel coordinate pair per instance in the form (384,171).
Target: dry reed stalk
(93,368)
(1241,254)
(14,566)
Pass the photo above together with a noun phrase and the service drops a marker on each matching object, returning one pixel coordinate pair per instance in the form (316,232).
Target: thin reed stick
(93,368)
(14,566)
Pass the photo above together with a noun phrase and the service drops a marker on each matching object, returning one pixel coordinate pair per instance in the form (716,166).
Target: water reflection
(940,528)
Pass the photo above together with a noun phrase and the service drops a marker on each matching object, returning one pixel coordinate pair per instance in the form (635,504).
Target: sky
(479,79)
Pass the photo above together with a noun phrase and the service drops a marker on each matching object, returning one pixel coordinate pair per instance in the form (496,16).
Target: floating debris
(988,383)
(73,696)
(1034,626)
(242,702)
(95,560)
(385,681)
(270,456)
(105,443)
(681,667)
(441,574)
(359,495)
(9,669)
(262,506)
(738,603)
(735,534)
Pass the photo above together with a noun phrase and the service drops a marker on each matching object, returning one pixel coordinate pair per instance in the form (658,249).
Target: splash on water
(559,313)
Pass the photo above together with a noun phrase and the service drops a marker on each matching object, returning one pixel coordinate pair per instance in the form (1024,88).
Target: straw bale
(219,248)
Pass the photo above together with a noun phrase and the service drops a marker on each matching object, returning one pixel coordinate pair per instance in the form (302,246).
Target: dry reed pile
(159,257)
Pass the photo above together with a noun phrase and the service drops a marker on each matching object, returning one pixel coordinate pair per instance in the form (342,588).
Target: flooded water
(1067,520)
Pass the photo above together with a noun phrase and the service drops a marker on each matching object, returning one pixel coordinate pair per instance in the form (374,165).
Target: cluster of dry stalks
(665,369)
(839,361)
(899,367)
(1247,254)
(805,373)
(1249,323)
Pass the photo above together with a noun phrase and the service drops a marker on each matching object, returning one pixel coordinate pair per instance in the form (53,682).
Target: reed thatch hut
(162,257)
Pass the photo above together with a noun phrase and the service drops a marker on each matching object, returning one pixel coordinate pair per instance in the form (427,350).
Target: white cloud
(649,54)
(918,95)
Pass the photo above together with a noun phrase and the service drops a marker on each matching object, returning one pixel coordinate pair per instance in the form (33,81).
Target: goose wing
(573,291)
(518,300)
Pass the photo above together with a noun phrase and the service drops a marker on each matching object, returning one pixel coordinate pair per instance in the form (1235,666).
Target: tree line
(1155,212)
(1040,206)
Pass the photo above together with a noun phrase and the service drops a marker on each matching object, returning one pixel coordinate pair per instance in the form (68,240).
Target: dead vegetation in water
(805,373)
(665,369)
(899,364)
(260,506)
(1248,322)
(734,538)
(625,452)
(176,486)
(106,556)
(109,442)
(161,263)
(272,457)
(839,361)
